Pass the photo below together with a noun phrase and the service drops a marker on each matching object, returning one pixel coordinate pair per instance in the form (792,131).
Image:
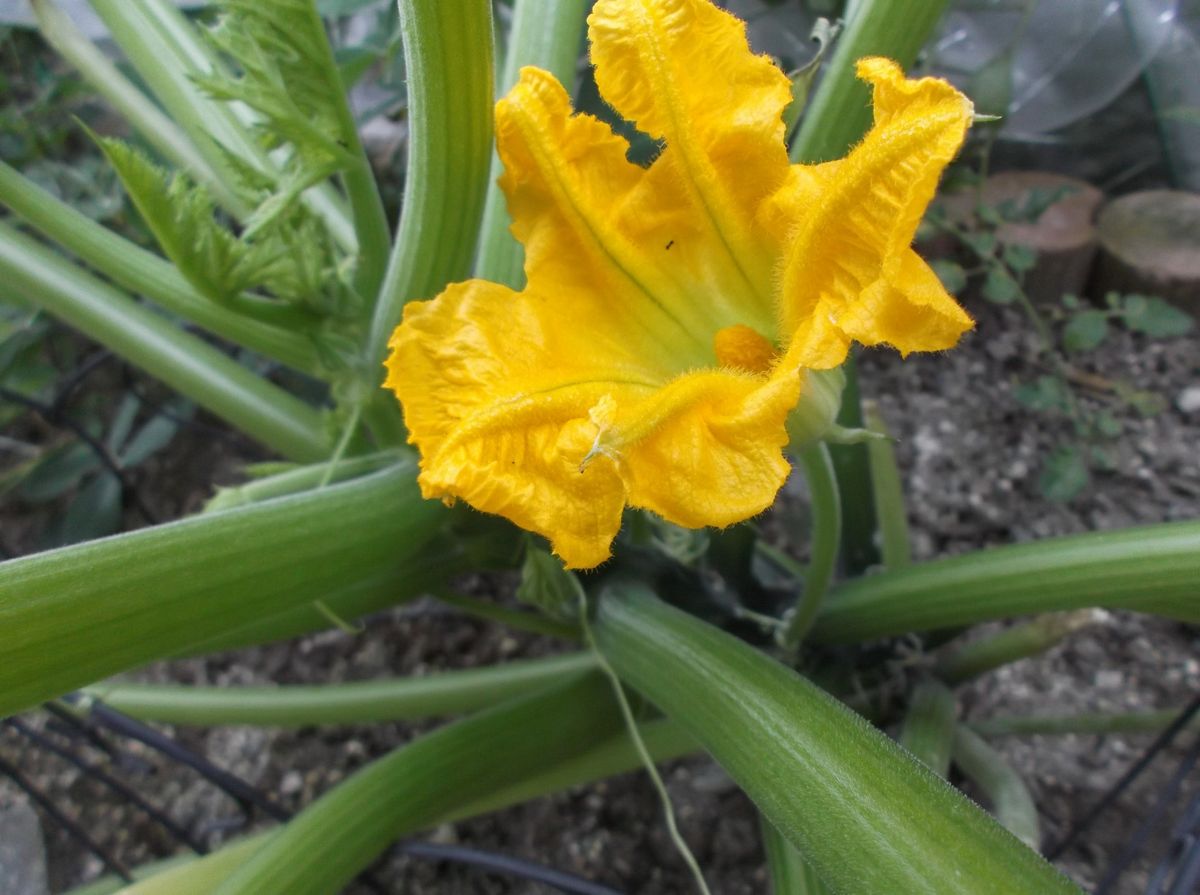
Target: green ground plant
(248,170)
(1066,331)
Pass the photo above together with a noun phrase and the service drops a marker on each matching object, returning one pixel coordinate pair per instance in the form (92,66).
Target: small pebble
(1188,400)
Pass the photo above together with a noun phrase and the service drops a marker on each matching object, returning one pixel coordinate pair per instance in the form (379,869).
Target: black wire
(73,829)
(117,786)
(1188,880)
(1137,842)
(241,792)
(1161,742)
(506,865)
(74,728)
(1183,850)
(74,379)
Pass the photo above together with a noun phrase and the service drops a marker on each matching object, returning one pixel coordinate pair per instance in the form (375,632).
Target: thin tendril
(631,726)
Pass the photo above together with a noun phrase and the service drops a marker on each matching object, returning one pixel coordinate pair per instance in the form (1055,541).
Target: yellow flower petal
(566,178)
(707,449)
(682,71)
(496,395)
(849,269)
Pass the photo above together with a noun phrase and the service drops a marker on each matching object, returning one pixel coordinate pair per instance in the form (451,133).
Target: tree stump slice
(1150,245)
(1064,235)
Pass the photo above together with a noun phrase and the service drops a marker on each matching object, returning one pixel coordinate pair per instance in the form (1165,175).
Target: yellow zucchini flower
(671,311)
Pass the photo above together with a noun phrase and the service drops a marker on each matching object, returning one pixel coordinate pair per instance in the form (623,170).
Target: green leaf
(1064,475)
(180,214)
(156,434)
(1033,204)
(94,513)
(1155,317)
(1019,258)
(289,77)
(952,275)
(1045,394)
(61,470)
(1107,425)
(1085,330)
(982,244)
(819,773)
(999,287)
(122,423)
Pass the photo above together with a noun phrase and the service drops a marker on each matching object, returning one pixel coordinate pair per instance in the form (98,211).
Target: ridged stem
(827,780)
(436,695)
(144,273)
(838,113)
(448,58)
(826,537)
(82,613)
(1151,569)
(331,841)
(545,33)
(148,340)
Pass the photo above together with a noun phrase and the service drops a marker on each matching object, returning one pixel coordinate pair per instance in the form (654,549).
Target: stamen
(743,348)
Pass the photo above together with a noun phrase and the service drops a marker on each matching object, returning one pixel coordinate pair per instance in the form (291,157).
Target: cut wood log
(1150,245)
(1051,214)
(1063,234)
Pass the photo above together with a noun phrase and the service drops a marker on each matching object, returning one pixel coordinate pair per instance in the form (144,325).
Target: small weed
(1065,331)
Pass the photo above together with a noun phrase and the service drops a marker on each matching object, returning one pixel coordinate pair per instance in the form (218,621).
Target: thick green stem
(448,58)
(300,478)
(133,105)
(839,112)
(144,273)
(325,846)
(190,366)
(928,731)
(852,465)
(960,662)
(894,546)
(1010,798)
(513,618)
(1151,569)
(826,535)
(827,780)
(436,695)
(615,755)
(545,33)
(82,613)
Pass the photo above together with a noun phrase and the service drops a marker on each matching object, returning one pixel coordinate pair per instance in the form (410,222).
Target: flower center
(743,348)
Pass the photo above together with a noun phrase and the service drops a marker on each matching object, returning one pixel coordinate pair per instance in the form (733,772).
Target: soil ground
(969,455)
